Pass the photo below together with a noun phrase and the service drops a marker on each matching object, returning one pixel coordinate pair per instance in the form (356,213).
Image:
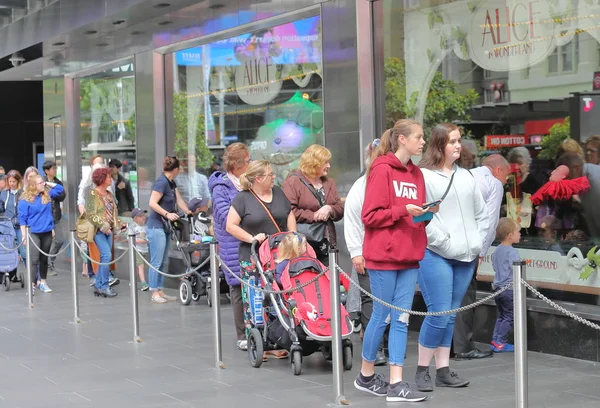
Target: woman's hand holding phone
(415,210)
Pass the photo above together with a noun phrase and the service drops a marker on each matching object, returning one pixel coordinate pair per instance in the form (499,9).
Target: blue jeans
(22,249)
(443,283)
(104,243)
(158,245)
(397,288)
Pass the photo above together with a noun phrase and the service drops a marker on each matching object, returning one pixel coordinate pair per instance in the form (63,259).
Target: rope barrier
(12,249)
(168,275)
(263,290)
(560,308)
(100,263)
(417,313)
(43,253)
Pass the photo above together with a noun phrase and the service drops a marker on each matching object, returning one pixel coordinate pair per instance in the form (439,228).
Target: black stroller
(196,283)
(9,258)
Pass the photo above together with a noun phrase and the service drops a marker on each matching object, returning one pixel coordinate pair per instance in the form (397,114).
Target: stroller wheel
(297,362)
(255,348)
(347,357)
(185,292)
(326,351)
(6,281)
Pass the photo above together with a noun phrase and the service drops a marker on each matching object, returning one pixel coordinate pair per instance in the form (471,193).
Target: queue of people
(429,224)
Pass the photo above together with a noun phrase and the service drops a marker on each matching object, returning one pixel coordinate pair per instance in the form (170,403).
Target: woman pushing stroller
(260,209)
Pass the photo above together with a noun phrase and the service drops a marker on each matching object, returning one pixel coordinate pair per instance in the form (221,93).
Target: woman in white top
(455,237)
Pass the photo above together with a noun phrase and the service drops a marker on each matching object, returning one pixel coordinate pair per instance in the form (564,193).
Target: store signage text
(499,141)
(506,36)
(256,81)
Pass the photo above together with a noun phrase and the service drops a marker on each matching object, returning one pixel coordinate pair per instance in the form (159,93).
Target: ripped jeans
(398,288)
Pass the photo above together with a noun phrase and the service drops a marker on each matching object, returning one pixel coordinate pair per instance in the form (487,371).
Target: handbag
(314,231)
(86,231)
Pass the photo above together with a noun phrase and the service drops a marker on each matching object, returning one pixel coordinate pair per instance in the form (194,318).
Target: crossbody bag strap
(266,210)
(449,185)
(320,200)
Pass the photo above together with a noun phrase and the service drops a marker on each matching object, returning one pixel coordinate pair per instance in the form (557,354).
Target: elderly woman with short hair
(315,200)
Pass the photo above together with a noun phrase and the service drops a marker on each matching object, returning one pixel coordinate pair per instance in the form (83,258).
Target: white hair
(519,155)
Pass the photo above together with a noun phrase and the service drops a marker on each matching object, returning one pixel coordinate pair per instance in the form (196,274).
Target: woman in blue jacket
(224,186)
(35,212)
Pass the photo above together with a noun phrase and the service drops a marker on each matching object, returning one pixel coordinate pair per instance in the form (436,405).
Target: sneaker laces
(379,380)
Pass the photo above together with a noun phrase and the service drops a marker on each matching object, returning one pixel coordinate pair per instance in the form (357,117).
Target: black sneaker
(377,386)
(423,380)
(449,378)
(401,392)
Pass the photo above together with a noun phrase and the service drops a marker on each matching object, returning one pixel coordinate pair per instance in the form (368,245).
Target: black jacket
(125,200)
(56,211)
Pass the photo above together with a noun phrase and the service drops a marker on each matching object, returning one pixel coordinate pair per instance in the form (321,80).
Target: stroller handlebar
(253,247)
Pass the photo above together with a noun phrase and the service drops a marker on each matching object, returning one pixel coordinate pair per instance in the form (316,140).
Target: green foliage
(558,133)
(445,102)
(204,157)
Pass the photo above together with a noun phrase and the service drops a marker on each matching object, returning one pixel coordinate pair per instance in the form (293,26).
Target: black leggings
(44,242)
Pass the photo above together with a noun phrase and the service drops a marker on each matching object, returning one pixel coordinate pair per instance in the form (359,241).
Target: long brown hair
(389,139)
(434,157)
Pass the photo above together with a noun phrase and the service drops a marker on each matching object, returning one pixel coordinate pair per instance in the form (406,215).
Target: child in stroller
(298,321)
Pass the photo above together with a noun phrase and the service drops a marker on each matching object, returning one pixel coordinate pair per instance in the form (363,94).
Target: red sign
(499,141)
(596,81)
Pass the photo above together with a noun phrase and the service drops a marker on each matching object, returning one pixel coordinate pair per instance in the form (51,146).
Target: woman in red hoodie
(393,246)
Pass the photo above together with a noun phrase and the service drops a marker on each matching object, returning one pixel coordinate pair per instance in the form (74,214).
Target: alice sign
(256,80)
(508,35)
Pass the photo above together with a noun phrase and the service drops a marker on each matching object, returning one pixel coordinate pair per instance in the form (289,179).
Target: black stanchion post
(215,293)
(520,329)
(28,266)
(76,318)
(336,331)
(133,289)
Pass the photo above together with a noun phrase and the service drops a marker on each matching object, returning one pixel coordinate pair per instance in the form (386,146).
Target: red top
(392,240)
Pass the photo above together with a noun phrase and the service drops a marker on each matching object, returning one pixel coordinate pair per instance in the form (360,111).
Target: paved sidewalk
(47,361)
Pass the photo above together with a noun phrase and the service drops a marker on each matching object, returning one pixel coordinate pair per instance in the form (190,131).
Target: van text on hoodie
(392,240)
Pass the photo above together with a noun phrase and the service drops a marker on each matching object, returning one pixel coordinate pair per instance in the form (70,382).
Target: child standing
(509,233)
(138,227)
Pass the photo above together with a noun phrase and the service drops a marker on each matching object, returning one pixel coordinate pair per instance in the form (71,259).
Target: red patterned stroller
(299,321)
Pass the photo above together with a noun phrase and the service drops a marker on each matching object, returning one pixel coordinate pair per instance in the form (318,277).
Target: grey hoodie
(459,228)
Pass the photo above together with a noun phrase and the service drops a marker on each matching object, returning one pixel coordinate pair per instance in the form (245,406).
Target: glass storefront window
(518,77)
(107,104)
(262,88)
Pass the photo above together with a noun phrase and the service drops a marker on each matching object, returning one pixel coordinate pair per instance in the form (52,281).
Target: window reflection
(517,77)
(107,104)
(263,88)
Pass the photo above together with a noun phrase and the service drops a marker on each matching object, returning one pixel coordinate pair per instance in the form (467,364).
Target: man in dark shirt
(49,168)
(123,192)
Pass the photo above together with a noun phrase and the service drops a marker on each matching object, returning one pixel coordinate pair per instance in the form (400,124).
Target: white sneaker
(45,288)
(242,345)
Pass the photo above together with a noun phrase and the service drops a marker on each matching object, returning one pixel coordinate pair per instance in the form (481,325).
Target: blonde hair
(571,146)
(506,226)
(30,193)
(313,158)
(255,169)
(291,246)
(28,172)
(389,140)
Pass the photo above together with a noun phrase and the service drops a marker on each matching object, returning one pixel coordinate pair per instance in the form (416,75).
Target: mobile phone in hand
(431,204)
